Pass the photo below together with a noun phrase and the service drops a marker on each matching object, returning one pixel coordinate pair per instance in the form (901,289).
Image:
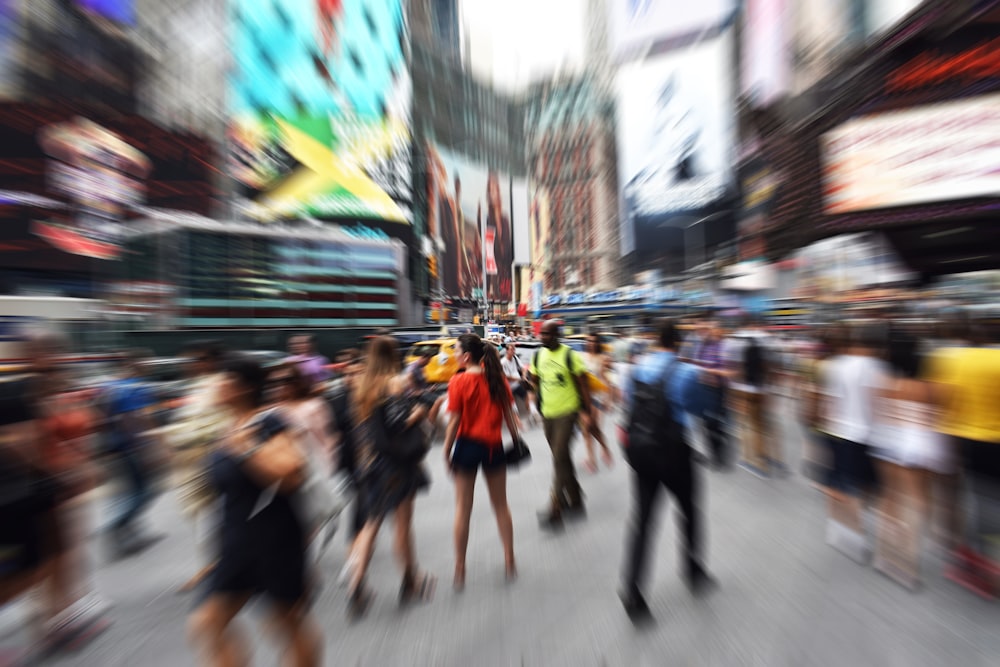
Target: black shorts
(277,572)
(853,467)
(30,531)
(469,455)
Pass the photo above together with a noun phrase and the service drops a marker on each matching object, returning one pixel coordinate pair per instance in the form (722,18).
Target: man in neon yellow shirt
(560,377)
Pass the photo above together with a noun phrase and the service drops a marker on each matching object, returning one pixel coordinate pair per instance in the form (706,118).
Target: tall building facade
(454,111)
(569,127)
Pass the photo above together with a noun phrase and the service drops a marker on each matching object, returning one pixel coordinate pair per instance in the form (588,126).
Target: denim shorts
(469,455)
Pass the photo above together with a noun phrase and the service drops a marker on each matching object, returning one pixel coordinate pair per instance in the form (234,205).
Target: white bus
(81,321)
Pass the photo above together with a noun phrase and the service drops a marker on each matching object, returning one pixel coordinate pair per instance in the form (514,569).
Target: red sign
(935,67)
(491,260)
(522,310)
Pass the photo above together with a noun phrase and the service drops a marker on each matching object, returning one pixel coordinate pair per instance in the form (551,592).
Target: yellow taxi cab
(443,365)
(579,342)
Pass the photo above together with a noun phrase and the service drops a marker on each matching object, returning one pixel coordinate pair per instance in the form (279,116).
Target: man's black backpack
(754,363)
(655,436)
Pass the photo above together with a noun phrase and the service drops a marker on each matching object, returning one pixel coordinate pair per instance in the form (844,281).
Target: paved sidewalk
(785,597)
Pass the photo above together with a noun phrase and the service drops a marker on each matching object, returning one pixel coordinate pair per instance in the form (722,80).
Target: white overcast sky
(513,42)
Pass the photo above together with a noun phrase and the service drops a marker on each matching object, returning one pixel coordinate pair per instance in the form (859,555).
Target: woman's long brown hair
(372,386)
(489,356)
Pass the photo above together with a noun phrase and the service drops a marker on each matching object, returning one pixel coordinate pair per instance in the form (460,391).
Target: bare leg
(496,482)
(211,627)
(302,637)
(465,488)
(606,456)
(404,537)
(364,546)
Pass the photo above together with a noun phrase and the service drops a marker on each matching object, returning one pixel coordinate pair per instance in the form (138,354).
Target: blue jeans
(136,487)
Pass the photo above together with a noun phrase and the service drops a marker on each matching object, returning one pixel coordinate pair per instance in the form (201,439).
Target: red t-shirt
(480,418)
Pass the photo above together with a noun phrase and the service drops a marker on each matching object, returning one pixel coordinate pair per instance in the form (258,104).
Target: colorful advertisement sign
(469,221)
(320,109)
(939,152)
(676,141)
(102,176)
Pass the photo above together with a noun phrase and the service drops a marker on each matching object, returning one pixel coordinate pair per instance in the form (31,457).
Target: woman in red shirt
(479,401)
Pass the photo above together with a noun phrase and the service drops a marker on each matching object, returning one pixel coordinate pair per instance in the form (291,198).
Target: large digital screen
(320,108)
(469,221)
(926,154)
(676,133)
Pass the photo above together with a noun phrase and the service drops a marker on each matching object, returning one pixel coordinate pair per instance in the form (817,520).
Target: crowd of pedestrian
(903,440)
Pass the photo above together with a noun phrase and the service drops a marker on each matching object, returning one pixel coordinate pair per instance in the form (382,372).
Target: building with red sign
(899,139)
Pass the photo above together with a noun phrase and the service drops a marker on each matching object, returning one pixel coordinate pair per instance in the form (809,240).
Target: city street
(785,597)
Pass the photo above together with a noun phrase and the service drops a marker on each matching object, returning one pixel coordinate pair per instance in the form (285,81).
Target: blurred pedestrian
(257,470)
(346,457)
(752,360)
(598,366)
(311,422)
(32,536)
(660,394)
(384,417)
(514,372)
(908,449)
(480,401)
(851,384)
(416,372)
(968,379)
(709,357)
(128,405)
(302,348)
(193,434)
(561,382)
(66,427)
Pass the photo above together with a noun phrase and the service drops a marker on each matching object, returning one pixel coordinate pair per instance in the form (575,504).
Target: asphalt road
(785,597)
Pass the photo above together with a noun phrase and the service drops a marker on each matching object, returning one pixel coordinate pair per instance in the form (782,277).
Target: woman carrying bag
(479,401)
(391,445)
(258,470)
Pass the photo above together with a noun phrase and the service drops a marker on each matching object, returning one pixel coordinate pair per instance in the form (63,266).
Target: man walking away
(560,376)
(128,406)
(659,395)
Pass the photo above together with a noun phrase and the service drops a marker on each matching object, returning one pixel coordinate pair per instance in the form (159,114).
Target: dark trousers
(136,488)
(678,478)
(714,418)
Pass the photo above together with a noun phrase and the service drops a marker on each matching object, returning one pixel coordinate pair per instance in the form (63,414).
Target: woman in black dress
(257,469)
(383,405)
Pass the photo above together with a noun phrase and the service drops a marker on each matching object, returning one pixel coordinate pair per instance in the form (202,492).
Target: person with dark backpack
(659,394)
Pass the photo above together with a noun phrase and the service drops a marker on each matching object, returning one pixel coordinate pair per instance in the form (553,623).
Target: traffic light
(432,266)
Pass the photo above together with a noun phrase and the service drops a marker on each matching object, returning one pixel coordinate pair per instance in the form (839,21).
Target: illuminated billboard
(469,221)
(320,109)
(932,153)
(676,133)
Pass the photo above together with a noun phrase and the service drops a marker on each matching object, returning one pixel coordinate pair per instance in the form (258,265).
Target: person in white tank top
(908,450)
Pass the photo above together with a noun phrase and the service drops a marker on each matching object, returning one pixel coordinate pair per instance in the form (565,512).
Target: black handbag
(401,446)
(518,451)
